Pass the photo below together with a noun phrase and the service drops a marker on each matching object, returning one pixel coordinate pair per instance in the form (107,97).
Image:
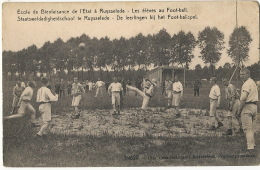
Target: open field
(71,149)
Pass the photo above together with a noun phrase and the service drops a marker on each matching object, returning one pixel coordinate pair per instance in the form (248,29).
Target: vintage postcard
(130,84)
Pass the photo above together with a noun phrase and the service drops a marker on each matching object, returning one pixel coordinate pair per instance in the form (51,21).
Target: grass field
(21,149)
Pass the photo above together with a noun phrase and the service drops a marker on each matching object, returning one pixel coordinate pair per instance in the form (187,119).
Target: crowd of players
(242,106)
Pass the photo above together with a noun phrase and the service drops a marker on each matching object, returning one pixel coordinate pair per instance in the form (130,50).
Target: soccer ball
(82,46)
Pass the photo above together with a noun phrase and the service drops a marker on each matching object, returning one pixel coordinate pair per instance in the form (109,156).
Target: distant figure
(62,88)
(57,88)
(69,86)
(128,82)
(196,87)
(86,85)
(168,91)
(214,97)
(25,106)
(17,91)
(107,85)
(44,98)
(123,83)
(99,87)
(114,90)
(177,93)
(163,87)
(233,106)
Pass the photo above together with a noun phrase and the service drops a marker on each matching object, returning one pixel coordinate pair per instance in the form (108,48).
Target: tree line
(84,55)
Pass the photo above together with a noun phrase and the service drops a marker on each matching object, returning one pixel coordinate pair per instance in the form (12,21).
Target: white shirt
(214,92)
(99,83)
(44,94)
(250,87)
(27,93)
(177,86)
(115,87)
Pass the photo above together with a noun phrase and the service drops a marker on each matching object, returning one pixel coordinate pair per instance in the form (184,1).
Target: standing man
(114,90)
(214,97)
(57,88)
(44,98)
(77,90)
(17,91)
(62,88)
(168,91)
(233,106)
(25,106)
(196,87)
(69,87)
(128,82)
(99,86)
(248,107)
(177,93)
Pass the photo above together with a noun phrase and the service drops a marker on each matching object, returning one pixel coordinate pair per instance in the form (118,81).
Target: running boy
(77,90)
(25,106)
(44,98)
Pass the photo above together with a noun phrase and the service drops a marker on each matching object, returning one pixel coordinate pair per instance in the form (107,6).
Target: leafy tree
(161,45)
(104,53)
(211,42)
(227,65)
(182,46)
(239,42)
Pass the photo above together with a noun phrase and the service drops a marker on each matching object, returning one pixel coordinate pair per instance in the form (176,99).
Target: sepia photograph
(130,84)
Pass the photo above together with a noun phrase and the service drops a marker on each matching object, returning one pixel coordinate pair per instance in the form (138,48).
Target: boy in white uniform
(24,105)
(114,90)
(76,91)
(177,93)
(99,86)
(147,95)
(214,96)
(248,107)
(44,98)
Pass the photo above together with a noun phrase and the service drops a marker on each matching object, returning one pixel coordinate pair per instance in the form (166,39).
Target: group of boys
(174,93)
(44,99)
(244,109)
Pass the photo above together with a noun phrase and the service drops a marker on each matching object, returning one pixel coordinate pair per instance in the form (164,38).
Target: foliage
(239,42)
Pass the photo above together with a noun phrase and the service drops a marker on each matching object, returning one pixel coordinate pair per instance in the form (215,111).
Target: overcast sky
(18,35)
